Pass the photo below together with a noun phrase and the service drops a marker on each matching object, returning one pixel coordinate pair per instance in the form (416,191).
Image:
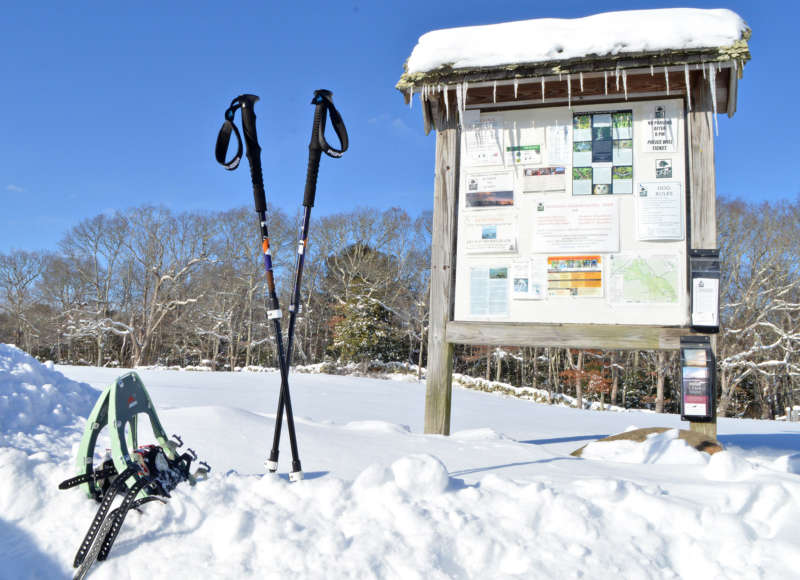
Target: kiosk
(574,196)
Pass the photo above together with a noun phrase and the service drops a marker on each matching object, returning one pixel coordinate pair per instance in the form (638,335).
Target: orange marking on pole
(265,245)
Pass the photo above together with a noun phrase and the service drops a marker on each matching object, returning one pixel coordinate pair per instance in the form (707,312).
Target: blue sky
(111,105)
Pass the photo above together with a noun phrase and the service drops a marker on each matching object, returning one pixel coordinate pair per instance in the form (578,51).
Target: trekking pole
(246,103)
(324,106)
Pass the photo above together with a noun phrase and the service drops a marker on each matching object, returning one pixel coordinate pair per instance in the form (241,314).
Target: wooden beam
(589,336)
(439,386)
(702,190)
(702,186)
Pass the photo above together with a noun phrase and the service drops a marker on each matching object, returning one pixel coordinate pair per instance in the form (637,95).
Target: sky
(113,105)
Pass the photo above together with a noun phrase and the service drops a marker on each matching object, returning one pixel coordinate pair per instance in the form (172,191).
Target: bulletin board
(573,215)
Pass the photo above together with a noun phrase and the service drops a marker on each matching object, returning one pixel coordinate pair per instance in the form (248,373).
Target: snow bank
(34,395)
(411,520)
(664,448)
(382,501)
(552,39)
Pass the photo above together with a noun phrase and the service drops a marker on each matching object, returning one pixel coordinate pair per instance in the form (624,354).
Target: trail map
(643,278)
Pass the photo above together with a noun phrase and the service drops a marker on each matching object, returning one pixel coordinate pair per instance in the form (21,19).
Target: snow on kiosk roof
(604,56)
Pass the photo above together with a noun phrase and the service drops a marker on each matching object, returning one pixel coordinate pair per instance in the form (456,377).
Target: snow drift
(34,395)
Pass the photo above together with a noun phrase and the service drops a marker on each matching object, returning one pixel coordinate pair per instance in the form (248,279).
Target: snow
(664,448)
(500,498)
(33,394)
(553,39)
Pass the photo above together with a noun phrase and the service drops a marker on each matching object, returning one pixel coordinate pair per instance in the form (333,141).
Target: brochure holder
(698,379)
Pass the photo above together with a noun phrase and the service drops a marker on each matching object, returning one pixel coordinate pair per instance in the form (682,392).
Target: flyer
(558,144)
(622,180)
(661,127)
(622,125)
(581,153)
(490,232)
(581,181)
(582,127)
(576,224)
(658,211)
(483,136)
(488,291)
(529,279)
(705,302)
(602,144)
(490,189)
(576,276)
(695,393)
(543,179)
(518,154)
(623,152)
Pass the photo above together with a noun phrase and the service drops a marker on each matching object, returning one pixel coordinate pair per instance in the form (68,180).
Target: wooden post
(702,190)
(440,352)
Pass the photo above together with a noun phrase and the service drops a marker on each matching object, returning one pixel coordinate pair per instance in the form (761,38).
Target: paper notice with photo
(490,232)
(488,291)
(581,181)
(575,276)
(582,127)
(623,152)
(529,279)
(490,189)
(543,179)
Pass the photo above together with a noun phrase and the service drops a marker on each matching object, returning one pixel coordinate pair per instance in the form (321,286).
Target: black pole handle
(323,100)
(246,104)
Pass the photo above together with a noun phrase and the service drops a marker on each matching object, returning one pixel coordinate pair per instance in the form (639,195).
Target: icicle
(460,103)
(543,89)
(605,80)
(688,85)
(494,92)
(581,77)
(466,90)
(712,84)
(446,103)
(702,64)
(516,86)
(652,70)
(616,74)
(411,96)
(625,82)
(569,91)
(559,76)
(666,78)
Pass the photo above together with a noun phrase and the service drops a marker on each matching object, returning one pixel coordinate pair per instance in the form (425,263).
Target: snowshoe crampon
(140,474)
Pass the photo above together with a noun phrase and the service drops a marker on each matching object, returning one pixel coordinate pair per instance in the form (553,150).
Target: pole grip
(314,156)
(253,150)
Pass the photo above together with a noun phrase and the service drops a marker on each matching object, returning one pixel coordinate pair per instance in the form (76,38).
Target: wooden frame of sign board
(440,113)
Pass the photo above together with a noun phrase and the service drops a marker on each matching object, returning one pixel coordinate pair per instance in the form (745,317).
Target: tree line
(149,285)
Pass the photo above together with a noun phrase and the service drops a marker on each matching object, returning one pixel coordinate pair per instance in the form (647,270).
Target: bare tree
(19,271)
